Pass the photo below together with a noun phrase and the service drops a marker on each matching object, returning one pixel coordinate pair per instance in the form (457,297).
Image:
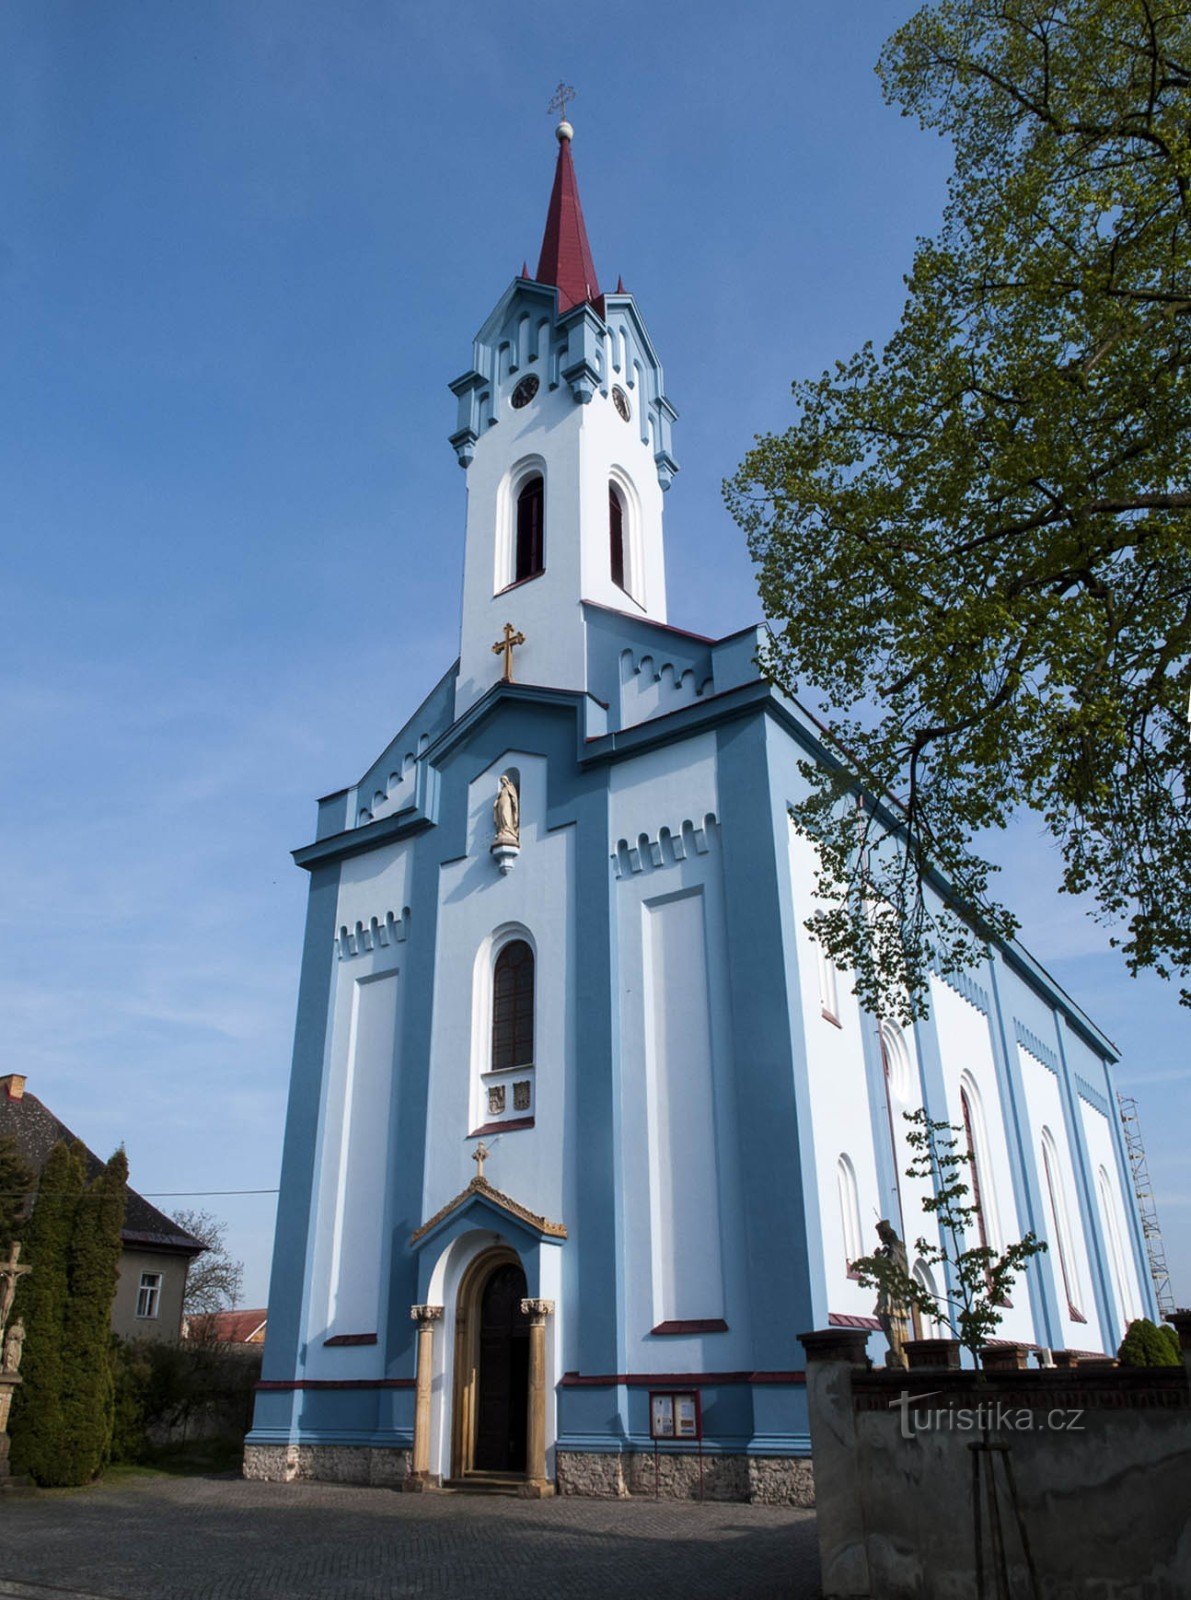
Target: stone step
(486,1483)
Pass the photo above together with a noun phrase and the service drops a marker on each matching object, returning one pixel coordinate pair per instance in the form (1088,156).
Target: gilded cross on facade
(507,645)
(562,95)
(479,1155)
(10,1272)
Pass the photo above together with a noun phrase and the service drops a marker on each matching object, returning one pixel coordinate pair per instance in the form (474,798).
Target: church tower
(584,1129)
(564,432)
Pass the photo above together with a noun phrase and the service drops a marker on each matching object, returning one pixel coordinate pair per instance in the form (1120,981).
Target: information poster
(674,1414)
(686,1417)
(661,1416)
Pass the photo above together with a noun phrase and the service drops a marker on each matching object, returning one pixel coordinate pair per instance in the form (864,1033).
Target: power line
(154,1194)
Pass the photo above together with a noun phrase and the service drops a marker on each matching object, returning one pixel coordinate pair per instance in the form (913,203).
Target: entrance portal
(490,1420)
(503,1377)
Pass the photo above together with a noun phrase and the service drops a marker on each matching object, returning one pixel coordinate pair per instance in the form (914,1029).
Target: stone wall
(1080,1475)
(763,1480)
(329,1463)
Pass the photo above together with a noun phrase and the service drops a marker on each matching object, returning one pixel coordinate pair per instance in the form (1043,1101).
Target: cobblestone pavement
(220,1538)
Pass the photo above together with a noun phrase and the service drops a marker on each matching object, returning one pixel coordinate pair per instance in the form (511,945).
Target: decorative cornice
(393,930)
(480,1188)
(1031,1042)
(966,987)
(645,853)
(1093,1096)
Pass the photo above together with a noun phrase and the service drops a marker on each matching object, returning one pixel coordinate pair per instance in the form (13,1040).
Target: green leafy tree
(88,1381)
(981,1276)
(1147,1345)
(975,545)
(16,1193)
(37,1423)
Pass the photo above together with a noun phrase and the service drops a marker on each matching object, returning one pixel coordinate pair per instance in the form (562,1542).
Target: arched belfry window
(512,1006)
(616,535)
(530,552)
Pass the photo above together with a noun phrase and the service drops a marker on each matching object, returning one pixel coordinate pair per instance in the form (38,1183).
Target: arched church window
(512,1007)
(849,1205)
(1062,1228)
(531,530)
(1115,1250)
(975,1175)
(616,535)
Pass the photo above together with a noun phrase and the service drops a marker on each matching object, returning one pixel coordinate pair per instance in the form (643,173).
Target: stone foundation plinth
(327,1463)
(761,1480)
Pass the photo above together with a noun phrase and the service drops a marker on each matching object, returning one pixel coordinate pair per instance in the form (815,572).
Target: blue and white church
(580,1116)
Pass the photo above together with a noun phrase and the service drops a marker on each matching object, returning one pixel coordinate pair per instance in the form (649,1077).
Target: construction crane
(1143,1188)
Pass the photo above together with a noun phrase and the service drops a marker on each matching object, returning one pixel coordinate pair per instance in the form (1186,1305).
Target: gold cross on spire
(562,95)
(507,645)
(479,1155)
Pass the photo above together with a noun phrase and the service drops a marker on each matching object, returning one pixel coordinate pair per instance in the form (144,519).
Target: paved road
(219,1538)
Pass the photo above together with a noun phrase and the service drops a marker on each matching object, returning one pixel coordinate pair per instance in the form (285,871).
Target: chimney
(14,1085)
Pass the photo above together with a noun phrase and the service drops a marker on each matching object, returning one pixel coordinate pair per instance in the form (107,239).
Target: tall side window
(1115,1249)
(616,535)
(148,1295)
(974,1164)
(512,1007)
(828,983)
(849,1205)
(1062,1229)
(530,554)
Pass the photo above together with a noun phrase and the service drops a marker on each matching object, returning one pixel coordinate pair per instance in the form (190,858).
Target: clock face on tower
(621,401)
(525,391)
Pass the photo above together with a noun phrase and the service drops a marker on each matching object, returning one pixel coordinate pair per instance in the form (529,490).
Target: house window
(1061,1228)
(531,535)
(512,1007)
(148,1295)
(849,1205)
(616,535)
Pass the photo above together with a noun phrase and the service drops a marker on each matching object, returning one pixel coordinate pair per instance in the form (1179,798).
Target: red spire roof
(566,255)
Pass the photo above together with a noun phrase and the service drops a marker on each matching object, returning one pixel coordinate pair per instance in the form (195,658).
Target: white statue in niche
(506,813)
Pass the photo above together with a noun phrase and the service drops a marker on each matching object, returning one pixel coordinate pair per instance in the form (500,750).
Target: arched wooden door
(502,1397)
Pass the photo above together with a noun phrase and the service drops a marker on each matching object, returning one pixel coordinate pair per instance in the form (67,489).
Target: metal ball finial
(562,95)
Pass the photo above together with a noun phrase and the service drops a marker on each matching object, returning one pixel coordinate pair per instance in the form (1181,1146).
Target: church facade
(580,1117)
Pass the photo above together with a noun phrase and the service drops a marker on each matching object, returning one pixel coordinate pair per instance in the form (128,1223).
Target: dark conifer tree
(37,1422)
(16,1192)
(88,1382)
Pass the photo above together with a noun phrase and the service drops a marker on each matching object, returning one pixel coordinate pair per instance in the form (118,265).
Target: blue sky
(243,250)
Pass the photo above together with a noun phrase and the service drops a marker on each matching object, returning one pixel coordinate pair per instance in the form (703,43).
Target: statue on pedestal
(14,1343)
(11,1344)
(892,1312)
(506,814)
